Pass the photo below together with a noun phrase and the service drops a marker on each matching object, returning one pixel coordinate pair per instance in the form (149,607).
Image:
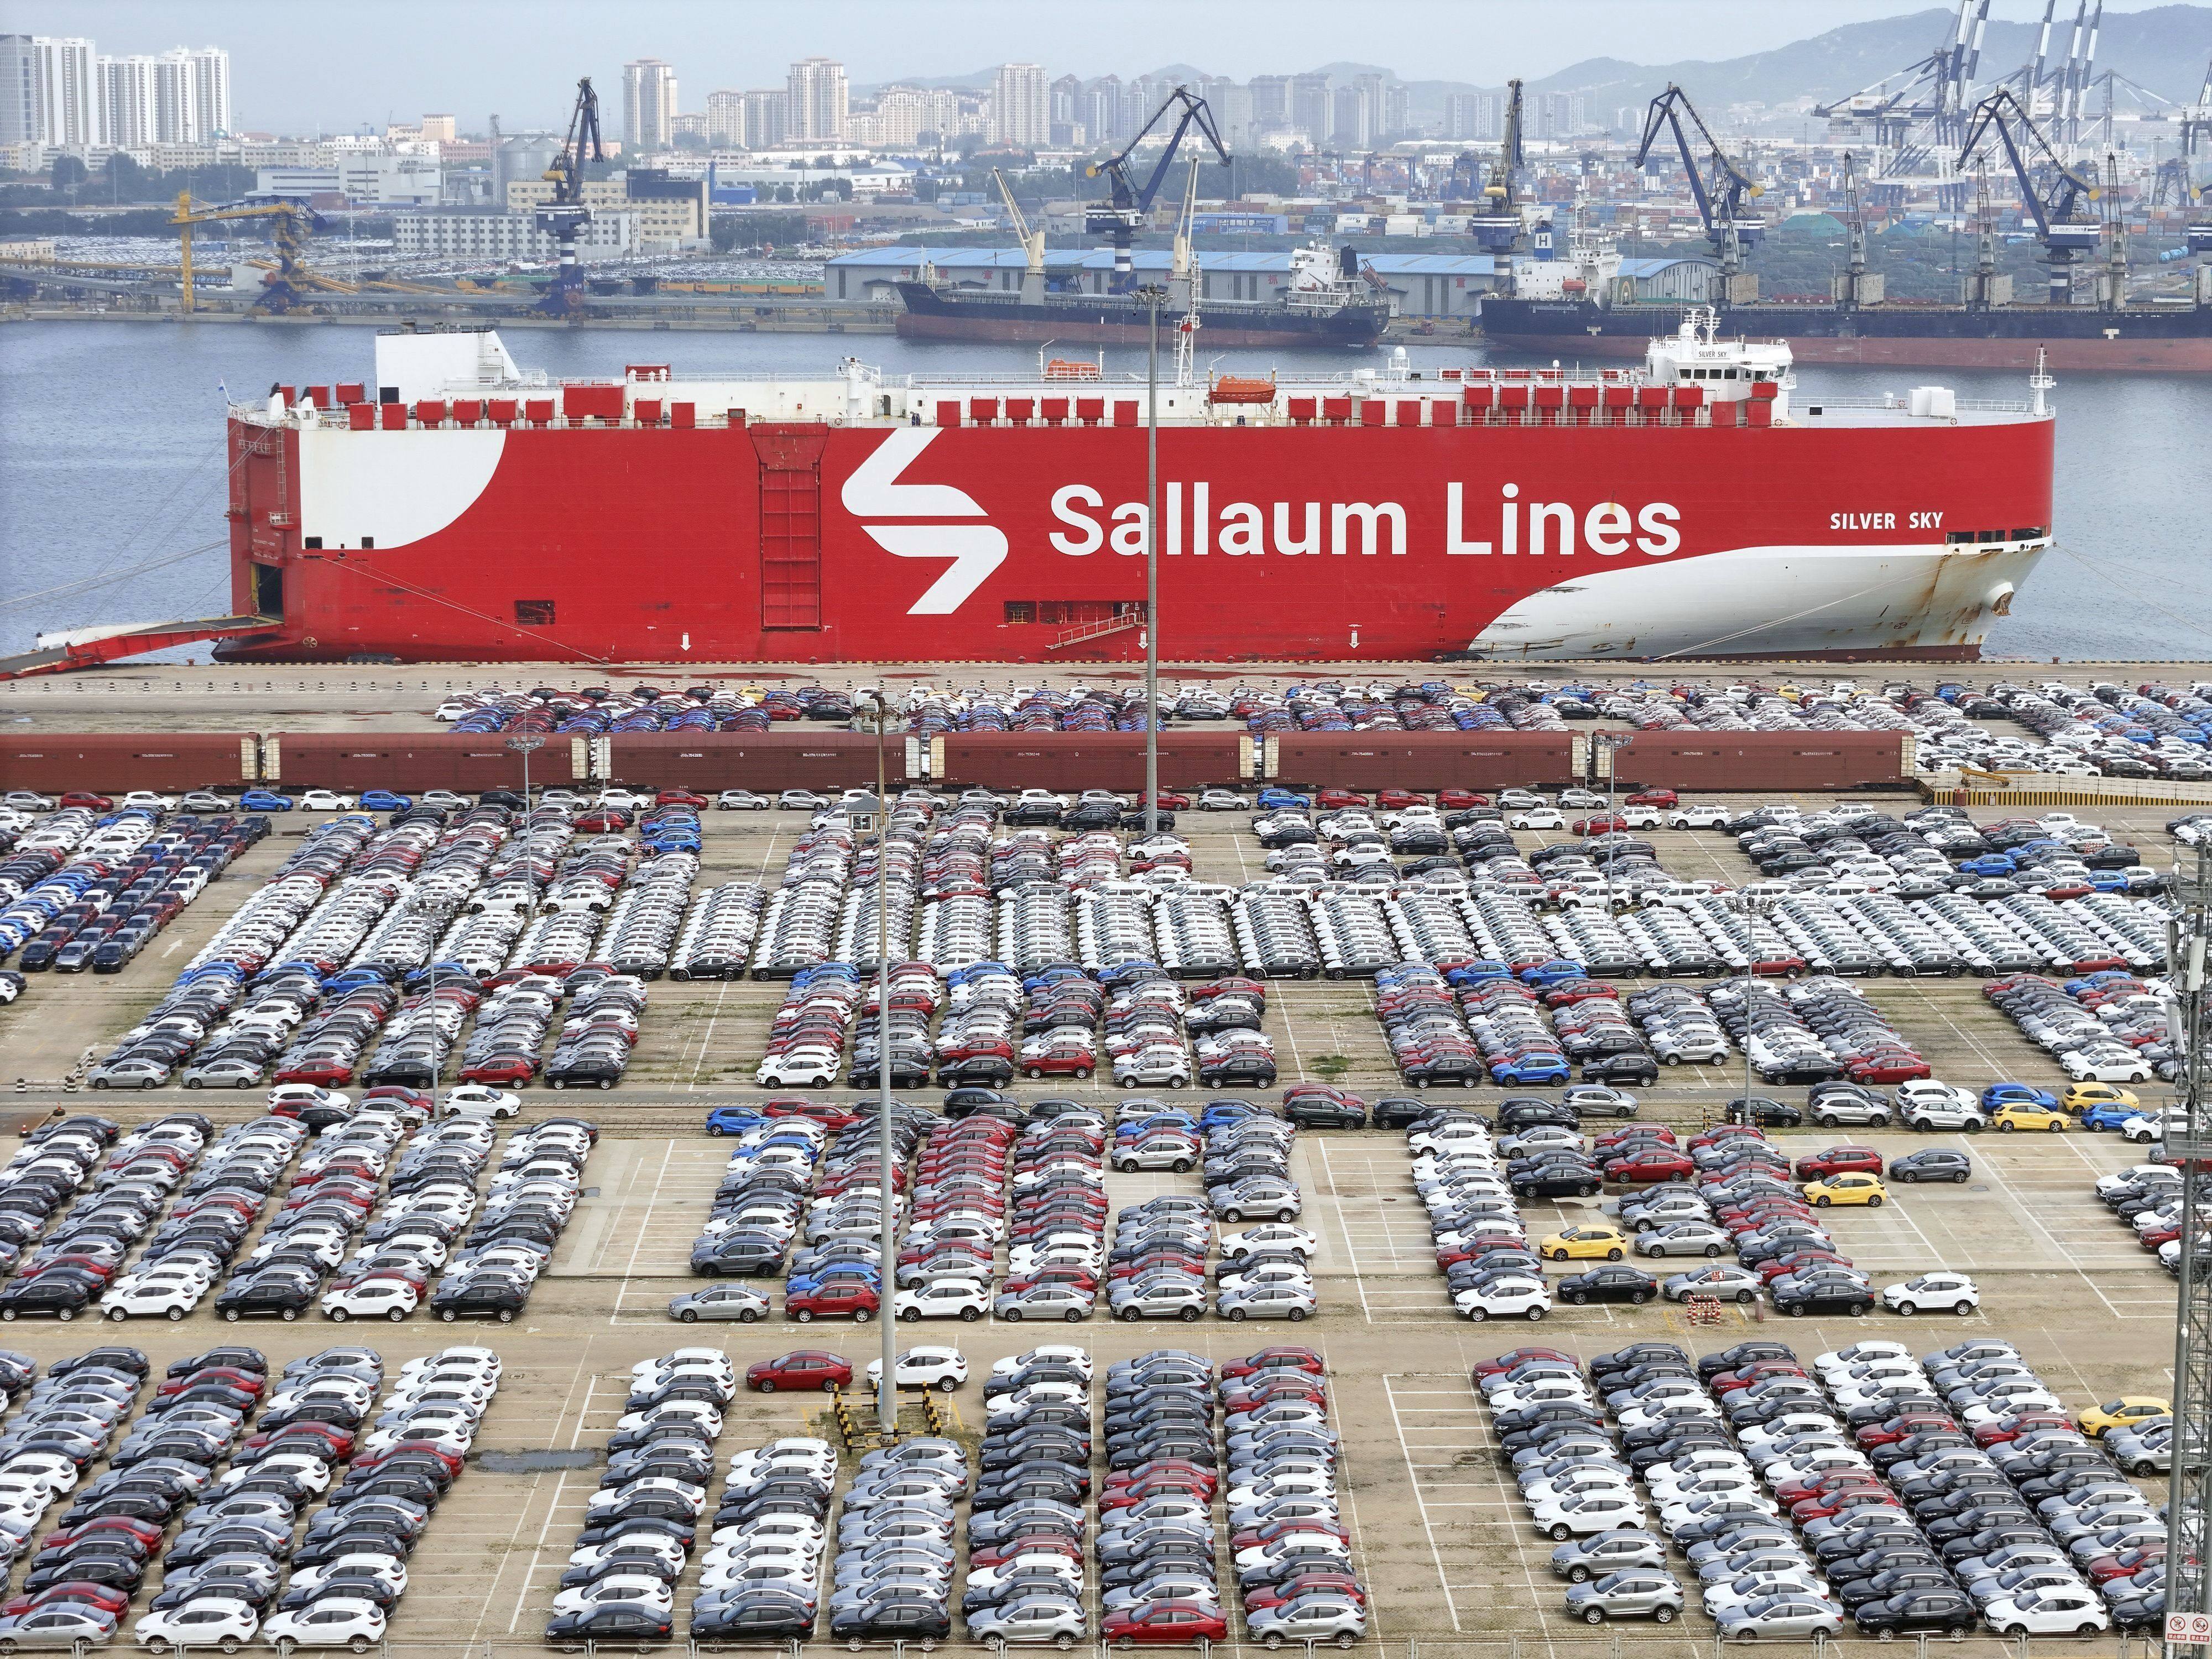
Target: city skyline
(338,69)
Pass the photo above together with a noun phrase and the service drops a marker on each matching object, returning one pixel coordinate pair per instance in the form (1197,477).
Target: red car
(1274,1596)
(1837,1159)
(78,1591)
(2019,1422)
(1169,801)
(678,798)
(1179,1623)
(1455,799)
(1659,1163)
(1284,1358)
(1397,800)
(1599,823)
(328,1072)
(1891,1429)
(1043,1543)
(245,1381)
(1887,1069)
(85,798)
(822,1111)
(1506,1362)
(1653,798)
(100,1527)
(514,1069)
(1063,1062)
(802,1368)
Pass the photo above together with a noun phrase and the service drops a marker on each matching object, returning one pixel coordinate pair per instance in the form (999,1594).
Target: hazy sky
(299,65)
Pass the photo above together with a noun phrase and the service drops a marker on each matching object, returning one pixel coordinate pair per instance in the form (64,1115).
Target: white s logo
(874,490)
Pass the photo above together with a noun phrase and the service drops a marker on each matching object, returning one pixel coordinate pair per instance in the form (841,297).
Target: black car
(1932,1163)
(1616,1069)
(1764,1110)
(612,1621)
(62,1296)
(1842,1295)
(1398,1111)
(908,1615)
(480,1298)
(283,1295)
(759,1615)
(1615,1282)
(966,1101)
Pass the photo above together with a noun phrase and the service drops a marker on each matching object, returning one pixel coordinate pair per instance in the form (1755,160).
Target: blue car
(1532,1070)
(385,800)
(1990,864)
(2016,1094)
(733,1119)
(264,800)
(1478,973)
(2108,1115)
(1554,972)
(1272,797)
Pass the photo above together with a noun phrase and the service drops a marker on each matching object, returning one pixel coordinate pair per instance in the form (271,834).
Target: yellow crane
(288,232)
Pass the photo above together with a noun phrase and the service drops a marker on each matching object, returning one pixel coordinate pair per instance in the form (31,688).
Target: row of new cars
(641,1523)
(1900,1495)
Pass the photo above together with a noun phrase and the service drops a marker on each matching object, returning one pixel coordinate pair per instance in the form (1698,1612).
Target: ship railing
(1899,406)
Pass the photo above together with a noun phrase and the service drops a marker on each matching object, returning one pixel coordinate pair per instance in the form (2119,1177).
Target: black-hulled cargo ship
(1328,301)
(2173,338)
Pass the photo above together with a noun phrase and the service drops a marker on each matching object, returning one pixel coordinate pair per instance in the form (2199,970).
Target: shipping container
(765,761)
(1426,761)
(111,761)
(1076,760)
(408,762)
(1761,762)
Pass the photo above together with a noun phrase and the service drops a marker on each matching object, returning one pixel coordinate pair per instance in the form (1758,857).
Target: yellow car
(2127,1408)
(2081,1096)
(1852,1187)
(1605,1243)
(2026,1114)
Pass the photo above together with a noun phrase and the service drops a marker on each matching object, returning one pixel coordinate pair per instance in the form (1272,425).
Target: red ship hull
(810,541)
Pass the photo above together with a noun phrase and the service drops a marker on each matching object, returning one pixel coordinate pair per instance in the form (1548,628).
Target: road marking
(1421,1504)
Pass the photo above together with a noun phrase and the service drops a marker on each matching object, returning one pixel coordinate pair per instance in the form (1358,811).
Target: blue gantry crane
(1496,222)
(565,214)
(1128,204)
(1718,185)
(2058,203)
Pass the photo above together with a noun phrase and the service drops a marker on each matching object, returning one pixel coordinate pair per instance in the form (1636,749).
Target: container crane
(290,224)
(1495,223)
(1720,199)
(1857,286)
(565,214)
(1129,204)
(2196,139)
(1933,98)
(2063,222)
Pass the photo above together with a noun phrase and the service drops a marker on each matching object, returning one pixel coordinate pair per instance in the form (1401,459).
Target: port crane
(290,227)
(2195,126)
(565,214)
(1720,198)
(1129,204)
(1933,93)
(1033,283)
(2063,224)
(1496,222)
(1857,286)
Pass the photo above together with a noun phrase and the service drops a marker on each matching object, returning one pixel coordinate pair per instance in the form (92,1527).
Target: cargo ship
(2152,337)
(456,509)
(1327,301)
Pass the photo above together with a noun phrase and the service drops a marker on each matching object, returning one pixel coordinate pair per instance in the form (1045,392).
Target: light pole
(1153,296)
(2189,1511)
(887,1269)
(1750,907)
(525,746)
(422,904)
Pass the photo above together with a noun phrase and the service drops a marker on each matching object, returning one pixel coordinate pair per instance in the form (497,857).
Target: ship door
(790,522)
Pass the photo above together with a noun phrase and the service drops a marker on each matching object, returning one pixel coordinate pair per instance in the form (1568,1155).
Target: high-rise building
(19,90)
(1471,115)
(1310,107)
(176,98)
(649,105)
(211,92)
(1066,91)
(819,100)
(767,119)
(1231,107)
(1560,114)
(1099,109)
(1270,102)
(127,102)
(726,116)
(1353,115)
(1021,106)
(48,93)
(1395,117)
(439,129)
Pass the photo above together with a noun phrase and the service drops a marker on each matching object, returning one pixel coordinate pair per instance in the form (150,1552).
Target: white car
(205,1622)
(336,1621)
(1537,817)
(375,1299)
(944,1298)
(2105,1063)
(1942,1288)
(1585,1513)
(326,800)
(943,1368)
(169,1296)
(1512,1298)
(802,1068)
(299,1095)
(1049,1353)
(476,1100)
(640,1588)
(2058,1611)
(1269,1236)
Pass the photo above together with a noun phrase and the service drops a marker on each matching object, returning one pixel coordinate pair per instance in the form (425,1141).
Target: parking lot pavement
(634,1232)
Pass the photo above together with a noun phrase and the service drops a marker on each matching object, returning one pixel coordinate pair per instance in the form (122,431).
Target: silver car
(738,1301)
(1685,1238)
(1582,1560)
(1724,1279)
(1051,1619)
(2143,1448)
(1632,1593)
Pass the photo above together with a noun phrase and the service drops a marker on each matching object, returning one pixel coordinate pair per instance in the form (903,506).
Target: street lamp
(1752,907)
(525,746)
(424,903)
(1154,296)
(886,1270)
